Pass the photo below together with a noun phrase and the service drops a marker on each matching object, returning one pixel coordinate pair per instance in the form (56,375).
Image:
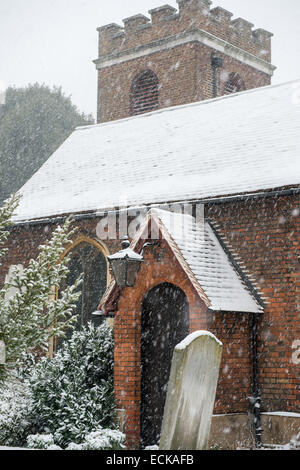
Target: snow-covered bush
(73,392)
(15,413)
(41,442)
(73,446)
(104,439)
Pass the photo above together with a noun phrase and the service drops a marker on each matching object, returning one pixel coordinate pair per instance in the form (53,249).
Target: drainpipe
(256,399)
(216,62)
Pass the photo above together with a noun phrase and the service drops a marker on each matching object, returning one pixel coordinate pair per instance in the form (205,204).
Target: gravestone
(191,393)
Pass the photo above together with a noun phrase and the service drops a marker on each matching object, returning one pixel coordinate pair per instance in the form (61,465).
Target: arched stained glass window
(89,260)
(234,84)
(144,93)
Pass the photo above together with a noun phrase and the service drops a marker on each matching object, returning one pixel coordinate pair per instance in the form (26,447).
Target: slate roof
(240,143)
(207,266)
(209,263)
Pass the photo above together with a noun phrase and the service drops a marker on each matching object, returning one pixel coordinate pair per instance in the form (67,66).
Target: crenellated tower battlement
(167,21)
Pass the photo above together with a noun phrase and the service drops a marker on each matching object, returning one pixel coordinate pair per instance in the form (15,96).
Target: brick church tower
(178,57)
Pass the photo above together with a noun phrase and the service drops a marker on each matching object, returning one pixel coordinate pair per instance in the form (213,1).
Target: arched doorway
(164,323)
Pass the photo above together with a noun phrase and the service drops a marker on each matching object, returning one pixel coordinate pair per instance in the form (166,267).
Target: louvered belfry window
(234,84)
(144,93)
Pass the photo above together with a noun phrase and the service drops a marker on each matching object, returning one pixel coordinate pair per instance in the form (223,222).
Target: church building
(195,158)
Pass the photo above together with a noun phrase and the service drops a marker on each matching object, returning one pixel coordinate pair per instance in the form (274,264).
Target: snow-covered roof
(235,144)
(201,256)
(210,265)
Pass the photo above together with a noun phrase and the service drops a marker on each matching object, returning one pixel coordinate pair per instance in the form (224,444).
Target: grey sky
(55,41)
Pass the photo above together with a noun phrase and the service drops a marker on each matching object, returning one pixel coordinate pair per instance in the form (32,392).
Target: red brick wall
(235,380)
(266,235)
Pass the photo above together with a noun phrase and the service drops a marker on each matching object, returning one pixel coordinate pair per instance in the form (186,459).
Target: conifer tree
(35,313)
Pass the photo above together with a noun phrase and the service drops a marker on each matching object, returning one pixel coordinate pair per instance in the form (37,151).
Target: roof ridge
(189,105)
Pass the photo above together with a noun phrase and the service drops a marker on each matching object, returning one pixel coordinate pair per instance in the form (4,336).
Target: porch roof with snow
(200,254)
(236,144)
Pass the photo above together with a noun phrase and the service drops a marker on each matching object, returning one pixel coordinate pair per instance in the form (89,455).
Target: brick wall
(266,235)
(235,380)
(184,70)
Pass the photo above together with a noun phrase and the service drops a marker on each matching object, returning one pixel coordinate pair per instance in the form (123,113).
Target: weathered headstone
(191,393)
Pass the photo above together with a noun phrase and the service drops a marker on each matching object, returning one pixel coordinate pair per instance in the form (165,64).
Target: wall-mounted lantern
(125,265)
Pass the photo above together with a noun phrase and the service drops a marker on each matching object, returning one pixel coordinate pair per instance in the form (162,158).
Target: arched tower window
(234,84)
(144,93)
(87,259)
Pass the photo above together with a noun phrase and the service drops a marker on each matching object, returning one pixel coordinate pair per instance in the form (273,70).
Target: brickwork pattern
(266,236)
(235,379)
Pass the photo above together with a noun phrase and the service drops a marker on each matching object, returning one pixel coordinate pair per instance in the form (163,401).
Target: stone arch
(164,323)
(144,93)
(96,243)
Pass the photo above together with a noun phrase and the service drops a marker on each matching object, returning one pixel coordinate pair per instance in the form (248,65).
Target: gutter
(212,201)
